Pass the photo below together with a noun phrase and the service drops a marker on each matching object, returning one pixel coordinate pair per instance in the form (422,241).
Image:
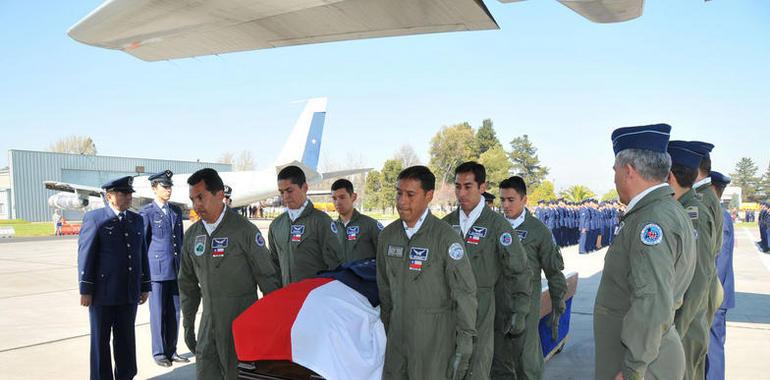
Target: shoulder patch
(456,251)
(334,227)
(692,212)
(651,234)
(506,239)
(380,226)
(259,239)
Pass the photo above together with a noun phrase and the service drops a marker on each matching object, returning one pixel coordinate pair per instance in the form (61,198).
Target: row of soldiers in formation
(459,296)
(590,224)
(763,222)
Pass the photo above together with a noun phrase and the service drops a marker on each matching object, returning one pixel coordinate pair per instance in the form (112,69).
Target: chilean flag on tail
(330,325)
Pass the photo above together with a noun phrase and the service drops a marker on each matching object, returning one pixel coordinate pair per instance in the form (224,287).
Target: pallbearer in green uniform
(692,322)
(647,268)
(499,264)
(427,288)
(303,240)
(357,232)
(224,261)
(543,255)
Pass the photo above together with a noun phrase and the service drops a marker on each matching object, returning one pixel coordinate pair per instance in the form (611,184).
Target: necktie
(121,216)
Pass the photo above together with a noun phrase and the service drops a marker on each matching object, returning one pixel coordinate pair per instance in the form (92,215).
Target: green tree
(745,176)
(450,147)
(577,193)
(543,192)
(764,190)
(390,170)
(373,185)
(486,138)
(611,195)
(525,161)
(495,160)
(74,144)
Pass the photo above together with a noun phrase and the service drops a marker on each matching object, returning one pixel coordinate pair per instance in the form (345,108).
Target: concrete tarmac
(44,332)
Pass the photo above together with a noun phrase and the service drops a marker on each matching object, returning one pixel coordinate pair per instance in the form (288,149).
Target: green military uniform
(691,321)
(716,293)
(359,237)
(524,351)
(305,246)
(223,270)
(646,271)
(499,262)
(428,300)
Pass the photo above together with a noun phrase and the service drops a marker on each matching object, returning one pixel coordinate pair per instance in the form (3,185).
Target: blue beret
(683,154)
(163,177)
(123,185)
(717,177)
(649,137)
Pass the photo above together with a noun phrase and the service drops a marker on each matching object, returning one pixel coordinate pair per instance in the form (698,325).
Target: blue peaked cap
(701,147)
(717,177)
(163,177)
(122,184)
(649,137)
(683,154)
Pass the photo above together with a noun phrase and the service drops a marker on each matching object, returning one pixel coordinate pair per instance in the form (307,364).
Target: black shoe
(179,359)
(163,362)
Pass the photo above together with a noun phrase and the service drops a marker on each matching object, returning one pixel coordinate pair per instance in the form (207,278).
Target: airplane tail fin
(304,143)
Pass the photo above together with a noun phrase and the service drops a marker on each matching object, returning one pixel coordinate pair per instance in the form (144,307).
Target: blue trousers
(715,359)
(116,321)
(582,242)
(164,318)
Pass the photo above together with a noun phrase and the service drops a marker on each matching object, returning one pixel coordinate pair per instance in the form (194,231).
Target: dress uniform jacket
(428,299)
(502,281)
(305,246)
(646,272)
(692,322)
(542,256)
(223,270)
(358,239)
(164,235)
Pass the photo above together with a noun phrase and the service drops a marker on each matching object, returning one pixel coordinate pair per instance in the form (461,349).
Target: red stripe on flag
(263,331)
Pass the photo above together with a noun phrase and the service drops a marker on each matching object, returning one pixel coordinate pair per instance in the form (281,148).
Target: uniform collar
(466,221)
(515,223)
(352,218)
(641,195)
(687,196)
(294,214)
(160,206)
(210,228)
(411,231)
(704,181)
(656,192)
(115,211)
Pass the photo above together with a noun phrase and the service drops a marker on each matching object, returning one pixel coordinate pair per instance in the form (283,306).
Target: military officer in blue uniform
(762,223)
(583,221)
(715,359)
(114,278)
(163,234)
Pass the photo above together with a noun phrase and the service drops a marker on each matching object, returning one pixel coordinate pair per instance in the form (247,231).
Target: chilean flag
(327,325)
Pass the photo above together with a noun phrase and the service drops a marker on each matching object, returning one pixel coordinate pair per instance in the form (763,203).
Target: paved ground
(44,331)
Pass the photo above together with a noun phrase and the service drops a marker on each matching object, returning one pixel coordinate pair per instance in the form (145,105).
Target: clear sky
(702,67)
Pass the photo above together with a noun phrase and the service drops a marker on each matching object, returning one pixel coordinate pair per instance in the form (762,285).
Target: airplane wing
(606,11)
(344,173)
(154,30)
(73,188)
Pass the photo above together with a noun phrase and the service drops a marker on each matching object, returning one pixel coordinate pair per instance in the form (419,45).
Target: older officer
(224,260)
(715,360)
(543,255)
(648,266)
(357,232)
(691,320)
(499,264)
(163,233)
(303,240)
(114,278)
(427,288)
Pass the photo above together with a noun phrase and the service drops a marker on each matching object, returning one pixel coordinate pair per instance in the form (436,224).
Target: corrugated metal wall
(28,170)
